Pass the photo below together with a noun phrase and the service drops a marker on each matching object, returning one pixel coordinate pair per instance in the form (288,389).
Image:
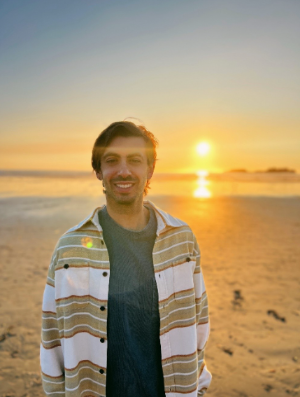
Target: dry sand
(250,245)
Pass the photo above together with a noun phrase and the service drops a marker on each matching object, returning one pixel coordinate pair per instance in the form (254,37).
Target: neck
(130,216)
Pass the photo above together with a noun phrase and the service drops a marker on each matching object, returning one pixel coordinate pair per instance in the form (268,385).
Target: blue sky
(222,71)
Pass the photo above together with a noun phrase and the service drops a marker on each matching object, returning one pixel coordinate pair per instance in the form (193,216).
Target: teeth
(125,186)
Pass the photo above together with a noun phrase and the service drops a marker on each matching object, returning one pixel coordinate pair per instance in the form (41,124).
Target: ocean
(201,186)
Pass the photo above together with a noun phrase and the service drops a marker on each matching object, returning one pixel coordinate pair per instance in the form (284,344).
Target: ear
(99,175)
(150,171)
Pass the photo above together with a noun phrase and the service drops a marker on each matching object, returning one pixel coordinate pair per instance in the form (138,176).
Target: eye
(110,161)
(135,160)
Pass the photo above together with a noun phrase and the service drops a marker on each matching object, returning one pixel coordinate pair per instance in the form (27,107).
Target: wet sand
(251,264)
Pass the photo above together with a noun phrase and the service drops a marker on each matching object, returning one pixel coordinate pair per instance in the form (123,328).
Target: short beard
(123,201)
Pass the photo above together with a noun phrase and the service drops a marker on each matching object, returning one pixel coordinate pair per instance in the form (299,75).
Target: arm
(51,355)
(202,323)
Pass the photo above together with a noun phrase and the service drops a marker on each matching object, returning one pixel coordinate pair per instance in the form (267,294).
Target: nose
(124,170)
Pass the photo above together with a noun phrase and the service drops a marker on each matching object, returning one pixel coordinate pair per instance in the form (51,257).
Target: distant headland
(268,170)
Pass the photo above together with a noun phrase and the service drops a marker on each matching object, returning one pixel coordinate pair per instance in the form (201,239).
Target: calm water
(85,184)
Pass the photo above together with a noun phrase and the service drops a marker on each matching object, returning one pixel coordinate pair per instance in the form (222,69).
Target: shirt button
(66,266)
(102,308)
(188,259)
(104,274)
(102,340)
(101,371)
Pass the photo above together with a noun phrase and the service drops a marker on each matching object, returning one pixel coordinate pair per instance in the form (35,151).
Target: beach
(250,260)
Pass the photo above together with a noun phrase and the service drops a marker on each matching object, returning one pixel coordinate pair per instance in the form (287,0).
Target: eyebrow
(117,155)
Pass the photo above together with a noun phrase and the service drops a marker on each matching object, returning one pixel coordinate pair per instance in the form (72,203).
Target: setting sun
(203,148)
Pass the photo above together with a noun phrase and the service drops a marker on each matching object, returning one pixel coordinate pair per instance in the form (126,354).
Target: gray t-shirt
(134,353)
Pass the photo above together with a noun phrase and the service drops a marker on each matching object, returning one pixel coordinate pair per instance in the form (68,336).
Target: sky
(226,72)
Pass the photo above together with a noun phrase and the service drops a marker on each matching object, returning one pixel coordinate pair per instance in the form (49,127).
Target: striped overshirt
(75,308)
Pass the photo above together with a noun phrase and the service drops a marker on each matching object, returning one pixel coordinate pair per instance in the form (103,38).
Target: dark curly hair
(124,129)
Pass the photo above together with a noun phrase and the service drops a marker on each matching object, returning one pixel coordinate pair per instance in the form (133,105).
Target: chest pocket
(72,287)
(183,281)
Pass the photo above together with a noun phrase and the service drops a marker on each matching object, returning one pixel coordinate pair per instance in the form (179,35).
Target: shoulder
(171,220)
(90,223)
(166,217)
(170,224)
(88,227)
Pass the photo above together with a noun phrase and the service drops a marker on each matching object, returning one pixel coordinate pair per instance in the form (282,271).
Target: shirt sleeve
(51,354)
(202,320)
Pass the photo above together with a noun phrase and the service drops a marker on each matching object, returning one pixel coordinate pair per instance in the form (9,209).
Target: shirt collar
(164,220)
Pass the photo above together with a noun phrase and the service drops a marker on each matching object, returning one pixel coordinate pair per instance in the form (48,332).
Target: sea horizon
(201,184)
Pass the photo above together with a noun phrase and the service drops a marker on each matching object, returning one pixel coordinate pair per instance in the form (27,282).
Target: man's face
(124,170)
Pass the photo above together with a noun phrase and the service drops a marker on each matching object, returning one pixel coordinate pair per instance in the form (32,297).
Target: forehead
(126,145)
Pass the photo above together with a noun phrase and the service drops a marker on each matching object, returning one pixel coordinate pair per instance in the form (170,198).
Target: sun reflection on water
(202,190)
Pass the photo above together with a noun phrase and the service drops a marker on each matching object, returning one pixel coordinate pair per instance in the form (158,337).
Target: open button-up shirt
(74,324)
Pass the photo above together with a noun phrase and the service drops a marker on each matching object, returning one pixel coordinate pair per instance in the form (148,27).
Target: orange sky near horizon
(223,72)
(177,151)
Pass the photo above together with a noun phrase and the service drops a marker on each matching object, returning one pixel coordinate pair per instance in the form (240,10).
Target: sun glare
(202,191)
(202,174)
(203,148)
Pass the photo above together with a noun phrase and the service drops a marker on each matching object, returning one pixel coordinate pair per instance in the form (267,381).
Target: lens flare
(87,242)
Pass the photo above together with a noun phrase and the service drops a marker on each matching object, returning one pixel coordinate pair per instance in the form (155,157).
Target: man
(125,308)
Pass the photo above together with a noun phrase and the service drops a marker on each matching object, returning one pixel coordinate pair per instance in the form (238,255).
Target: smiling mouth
(124,185)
